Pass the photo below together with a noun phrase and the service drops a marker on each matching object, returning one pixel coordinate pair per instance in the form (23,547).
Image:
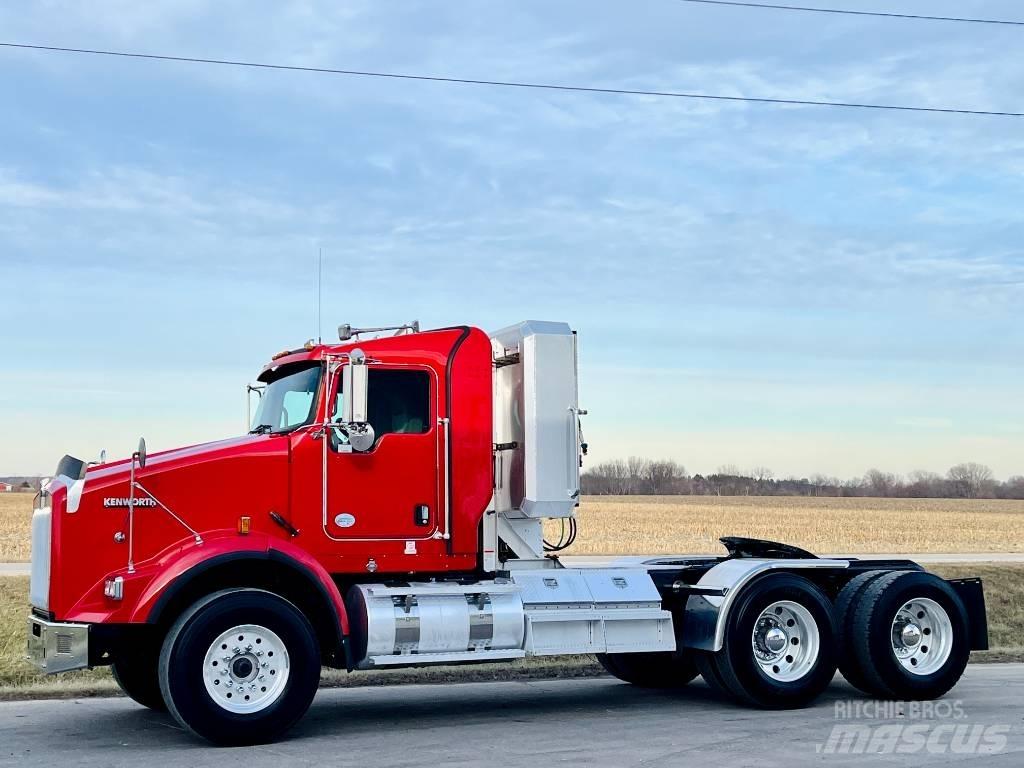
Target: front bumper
(56,646)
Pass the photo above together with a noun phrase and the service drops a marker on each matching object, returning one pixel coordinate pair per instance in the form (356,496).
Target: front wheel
(779,650)
(135,672)
(240,667)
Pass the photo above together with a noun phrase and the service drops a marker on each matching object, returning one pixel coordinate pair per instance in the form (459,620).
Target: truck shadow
(368,710)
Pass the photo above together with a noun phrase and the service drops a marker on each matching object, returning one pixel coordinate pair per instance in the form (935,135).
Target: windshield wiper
(261,429)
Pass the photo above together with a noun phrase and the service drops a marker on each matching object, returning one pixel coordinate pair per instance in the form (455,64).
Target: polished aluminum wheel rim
(785,641)
(922,636)
(246,669)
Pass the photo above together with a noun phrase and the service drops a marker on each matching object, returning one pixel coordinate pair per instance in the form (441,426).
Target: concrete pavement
(592,723)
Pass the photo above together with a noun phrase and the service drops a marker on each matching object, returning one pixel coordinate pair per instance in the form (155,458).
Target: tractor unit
(387,509)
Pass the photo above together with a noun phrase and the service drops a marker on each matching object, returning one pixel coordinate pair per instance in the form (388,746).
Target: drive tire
(709,671)
(137,675)
(737,670)
(846,603)
(660,669)
(874,636)
(188,676)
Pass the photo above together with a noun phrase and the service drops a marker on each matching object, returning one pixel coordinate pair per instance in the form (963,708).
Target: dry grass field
(611,525)
(624,525)
(15,521)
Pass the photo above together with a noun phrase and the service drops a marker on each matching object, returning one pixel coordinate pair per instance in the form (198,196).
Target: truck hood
(160,461)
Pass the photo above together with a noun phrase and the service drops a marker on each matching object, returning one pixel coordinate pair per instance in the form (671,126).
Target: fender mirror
(141,453)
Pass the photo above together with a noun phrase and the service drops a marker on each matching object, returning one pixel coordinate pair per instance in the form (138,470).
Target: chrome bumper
(55,646)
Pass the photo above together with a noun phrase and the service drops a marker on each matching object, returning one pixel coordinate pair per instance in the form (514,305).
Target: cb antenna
(319,292)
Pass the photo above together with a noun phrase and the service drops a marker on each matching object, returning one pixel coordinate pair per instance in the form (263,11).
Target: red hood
(191,454)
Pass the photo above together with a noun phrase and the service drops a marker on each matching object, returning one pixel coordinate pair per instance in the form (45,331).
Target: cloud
(768,259)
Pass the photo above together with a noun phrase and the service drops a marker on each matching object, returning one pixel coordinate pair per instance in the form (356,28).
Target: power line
(516,84)
(843,11)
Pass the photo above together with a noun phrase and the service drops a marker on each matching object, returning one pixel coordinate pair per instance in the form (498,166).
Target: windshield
(289,398)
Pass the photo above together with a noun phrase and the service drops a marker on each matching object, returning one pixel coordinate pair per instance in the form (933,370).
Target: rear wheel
(240,667)
(663,669)
(135,671)
(845,605)
(779,645)
(909,634)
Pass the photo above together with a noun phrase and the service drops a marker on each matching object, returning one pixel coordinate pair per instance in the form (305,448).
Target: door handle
(421,514)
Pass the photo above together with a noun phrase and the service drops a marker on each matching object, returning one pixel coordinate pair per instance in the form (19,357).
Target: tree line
(637,475)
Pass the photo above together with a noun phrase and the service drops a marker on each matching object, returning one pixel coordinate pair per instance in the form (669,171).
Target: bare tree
(922,484)
(881,483)
(637,469)
(663,476)
(971,480)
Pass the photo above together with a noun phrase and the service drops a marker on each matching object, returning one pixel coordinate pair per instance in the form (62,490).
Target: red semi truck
(386,509)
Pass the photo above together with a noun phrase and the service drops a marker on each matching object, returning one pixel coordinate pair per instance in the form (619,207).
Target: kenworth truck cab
(386,509)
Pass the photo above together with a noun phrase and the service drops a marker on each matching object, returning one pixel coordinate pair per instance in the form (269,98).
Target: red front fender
(183,565)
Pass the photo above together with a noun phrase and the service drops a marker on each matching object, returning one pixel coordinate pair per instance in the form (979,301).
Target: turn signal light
(243,525)
(114,588)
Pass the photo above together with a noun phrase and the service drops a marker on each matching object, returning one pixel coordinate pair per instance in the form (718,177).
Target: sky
(806,289)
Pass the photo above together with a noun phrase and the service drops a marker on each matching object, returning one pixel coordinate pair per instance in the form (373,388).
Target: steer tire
(843,609)
(736,668)
(874,636)
(660,669)
(137,676)
(197,651)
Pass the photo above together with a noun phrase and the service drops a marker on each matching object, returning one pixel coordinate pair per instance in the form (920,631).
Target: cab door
(392,490)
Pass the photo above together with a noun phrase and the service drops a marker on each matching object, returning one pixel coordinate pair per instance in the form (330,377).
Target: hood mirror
(140,454)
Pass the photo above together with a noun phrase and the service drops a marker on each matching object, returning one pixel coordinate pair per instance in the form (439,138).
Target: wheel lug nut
(264,665)
(236,649)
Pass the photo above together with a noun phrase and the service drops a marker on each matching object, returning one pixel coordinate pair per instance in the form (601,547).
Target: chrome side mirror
(354,386)
(361,437)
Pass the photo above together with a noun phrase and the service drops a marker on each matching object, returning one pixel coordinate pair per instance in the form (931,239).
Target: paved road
(592,723)
(22,569)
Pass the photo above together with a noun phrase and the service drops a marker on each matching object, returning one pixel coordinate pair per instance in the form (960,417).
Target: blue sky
(812,290)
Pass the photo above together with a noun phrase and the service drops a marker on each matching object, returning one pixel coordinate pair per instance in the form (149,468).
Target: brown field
(611,525)
(15,521)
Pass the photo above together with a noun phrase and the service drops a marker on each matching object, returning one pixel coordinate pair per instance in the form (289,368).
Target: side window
(399,402)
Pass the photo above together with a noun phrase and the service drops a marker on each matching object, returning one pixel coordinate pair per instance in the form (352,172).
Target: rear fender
(710,602)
